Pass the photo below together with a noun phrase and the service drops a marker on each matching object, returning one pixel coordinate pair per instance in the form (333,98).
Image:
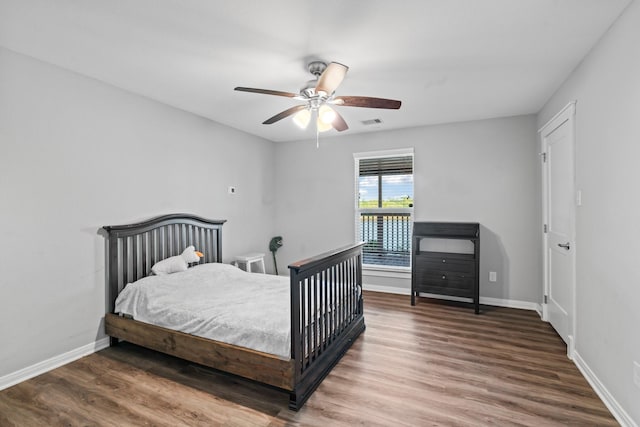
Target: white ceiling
(446,60)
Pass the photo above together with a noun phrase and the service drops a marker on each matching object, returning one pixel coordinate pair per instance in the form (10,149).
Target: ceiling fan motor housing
(309,89)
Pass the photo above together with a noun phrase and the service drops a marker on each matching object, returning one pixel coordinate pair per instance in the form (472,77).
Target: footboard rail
(327,315)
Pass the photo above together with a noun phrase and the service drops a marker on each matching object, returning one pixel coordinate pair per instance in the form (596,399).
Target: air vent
(372,122)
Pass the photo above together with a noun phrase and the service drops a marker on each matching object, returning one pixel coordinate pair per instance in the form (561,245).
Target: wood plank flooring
(428,365)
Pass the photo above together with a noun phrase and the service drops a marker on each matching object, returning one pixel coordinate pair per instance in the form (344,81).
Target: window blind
(386,166)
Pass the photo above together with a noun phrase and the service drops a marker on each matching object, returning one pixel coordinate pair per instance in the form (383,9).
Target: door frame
(567,114)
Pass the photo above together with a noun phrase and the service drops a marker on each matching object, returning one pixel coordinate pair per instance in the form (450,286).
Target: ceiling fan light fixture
(322,126)
(326,114)
(302,118)
(331,78)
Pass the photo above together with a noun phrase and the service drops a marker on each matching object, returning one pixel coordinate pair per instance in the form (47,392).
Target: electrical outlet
(493,276)
(636,374)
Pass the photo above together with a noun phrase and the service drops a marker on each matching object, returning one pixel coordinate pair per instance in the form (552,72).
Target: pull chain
(315,120)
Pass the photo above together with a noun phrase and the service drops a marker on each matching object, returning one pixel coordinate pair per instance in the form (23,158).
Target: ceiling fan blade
(339,124)
(331,78)
(366,101)
(266,91)
(283,114)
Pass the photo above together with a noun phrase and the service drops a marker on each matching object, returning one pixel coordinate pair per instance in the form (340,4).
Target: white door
(559,201)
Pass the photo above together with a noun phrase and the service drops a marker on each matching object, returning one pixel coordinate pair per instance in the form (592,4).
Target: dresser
(446,271)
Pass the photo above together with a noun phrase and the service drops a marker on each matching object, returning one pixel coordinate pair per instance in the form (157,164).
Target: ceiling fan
(318,96)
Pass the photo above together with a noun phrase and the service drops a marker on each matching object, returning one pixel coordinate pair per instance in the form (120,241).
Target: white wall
(76,154)
(607,89)
(482,171)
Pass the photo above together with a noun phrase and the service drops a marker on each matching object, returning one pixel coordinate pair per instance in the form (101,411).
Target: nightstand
(244,262)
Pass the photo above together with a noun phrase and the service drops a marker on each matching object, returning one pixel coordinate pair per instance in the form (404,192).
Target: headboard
(132,249)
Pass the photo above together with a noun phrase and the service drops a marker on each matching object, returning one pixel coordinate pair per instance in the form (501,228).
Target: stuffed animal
(177,263)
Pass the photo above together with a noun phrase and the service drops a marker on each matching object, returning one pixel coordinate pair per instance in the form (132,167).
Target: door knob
(567,246)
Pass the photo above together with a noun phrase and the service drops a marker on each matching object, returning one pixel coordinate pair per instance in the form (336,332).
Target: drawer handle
(444,277)
(444,260)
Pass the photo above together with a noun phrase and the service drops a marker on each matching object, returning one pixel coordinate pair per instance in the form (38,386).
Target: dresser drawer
(447,264)
(443,277)
(447,258)
(444,282)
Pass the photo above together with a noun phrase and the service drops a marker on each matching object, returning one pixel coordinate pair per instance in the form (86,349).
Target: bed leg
(294,403)
(113,341)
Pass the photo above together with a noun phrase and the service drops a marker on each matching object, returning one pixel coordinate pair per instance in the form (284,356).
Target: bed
(323,316)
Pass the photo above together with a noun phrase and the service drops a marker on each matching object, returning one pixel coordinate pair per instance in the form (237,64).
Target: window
(384,207)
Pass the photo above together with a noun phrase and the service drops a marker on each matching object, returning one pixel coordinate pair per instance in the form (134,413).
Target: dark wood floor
(428,365)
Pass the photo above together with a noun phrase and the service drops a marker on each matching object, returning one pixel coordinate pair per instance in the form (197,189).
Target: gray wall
(482,171)
(76,154)
(607,89)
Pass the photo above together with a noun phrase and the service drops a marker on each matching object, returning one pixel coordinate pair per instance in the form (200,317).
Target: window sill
(382,271)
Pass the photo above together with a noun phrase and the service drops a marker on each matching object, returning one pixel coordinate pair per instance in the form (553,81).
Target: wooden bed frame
(329,285)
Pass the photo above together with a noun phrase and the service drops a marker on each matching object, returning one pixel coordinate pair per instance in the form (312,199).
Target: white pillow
(176,263)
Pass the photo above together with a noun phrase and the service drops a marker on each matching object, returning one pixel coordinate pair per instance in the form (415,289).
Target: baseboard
(540,311)
(509,303)
(387,289)
(52,363)
(496,302)
(610,402)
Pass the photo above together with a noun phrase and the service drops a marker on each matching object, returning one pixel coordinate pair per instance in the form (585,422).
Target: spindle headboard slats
(133,249)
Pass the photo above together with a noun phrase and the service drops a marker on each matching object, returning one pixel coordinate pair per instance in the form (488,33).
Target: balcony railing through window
(387,238)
